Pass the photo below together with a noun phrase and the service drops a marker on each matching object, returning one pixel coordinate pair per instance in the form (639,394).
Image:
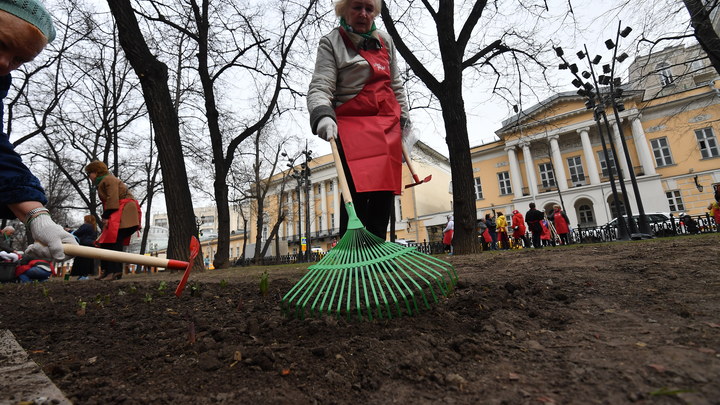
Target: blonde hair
(556,206)
(342,5)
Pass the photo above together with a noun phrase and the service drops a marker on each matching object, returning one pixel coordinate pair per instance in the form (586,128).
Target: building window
(478,189)
(661,150)
(504,180)
(604,165)
(675,200)
(663,71)
(332,221)
(330,186)
(547,177)
(585,215)
(707,142)
(577,175)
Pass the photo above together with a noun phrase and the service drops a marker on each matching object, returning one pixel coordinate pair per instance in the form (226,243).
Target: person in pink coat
(561,223)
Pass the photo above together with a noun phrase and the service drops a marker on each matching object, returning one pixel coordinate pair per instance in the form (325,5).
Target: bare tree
(154,80)
(703,28)
(460,49)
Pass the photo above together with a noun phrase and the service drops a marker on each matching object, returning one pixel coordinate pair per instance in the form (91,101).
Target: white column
(619,149)
(290,218)
(641,145)
(592,167)
(515,176)
(323,207)
(558,164)
(313,215)
(336,204)
(529,168)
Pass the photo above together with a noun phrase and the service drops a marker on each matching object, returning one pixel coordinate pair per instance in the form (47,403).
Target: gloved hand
(327,128)
(409,137)
(49,238)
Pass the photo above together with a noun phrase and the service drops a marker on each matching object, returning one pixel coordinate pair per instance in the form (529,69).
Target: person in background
(25,29)
(121,215)
(86,234)
(502,232)
(518,226)
(33,269)
(534,218)
(714,209)
(448,235)
(492,229)
(483,234)
(546,238)
(562,224)
(7,252)
(356,97)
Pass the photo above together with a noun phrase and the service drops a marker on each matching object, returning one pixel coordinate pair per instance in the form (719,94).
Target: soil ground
(623,322)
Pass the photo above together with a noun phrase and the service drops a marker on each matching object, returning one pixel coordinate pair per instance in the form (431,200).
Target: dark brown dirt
(631,322)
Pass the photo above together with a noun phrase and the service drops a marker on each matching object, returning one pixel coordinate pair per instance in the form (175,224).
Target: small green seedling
(194,290)
(133,289)
(45,291)
(148,298)
(223,283)
(162,287)
(83,305)
(264,283)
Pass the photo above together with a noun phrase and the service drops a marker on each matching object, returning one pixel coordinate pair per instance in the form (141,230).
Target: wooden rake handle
(122,257)
(408,162)
(341,172)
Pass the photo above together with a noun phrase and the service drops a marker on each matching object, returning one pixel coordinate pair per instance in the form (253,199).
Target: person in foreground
(25,29)
(356,97)
(121,215)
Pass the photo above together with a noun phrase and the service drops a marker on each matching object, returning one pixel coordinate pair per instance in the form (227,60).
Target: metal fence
(687,225)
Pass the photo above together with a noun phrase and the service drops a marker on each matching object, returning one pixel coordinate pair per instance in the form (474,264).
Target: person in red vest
(32,269)
(121,215)
(356,97)
(561,223)
(518,225)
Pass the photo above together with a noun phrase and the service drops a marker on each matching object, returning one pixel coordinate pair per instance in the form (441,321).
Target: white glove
(49,238)
(409,137)
(327,128)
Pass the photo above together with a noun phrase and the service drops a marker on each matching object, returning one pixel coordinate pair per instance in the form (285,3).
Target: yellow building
(552,153)
(417,207)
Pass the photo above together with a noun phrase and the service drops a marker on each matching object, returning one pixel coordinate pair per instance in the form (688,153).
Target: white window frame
(504,183)
(577,174)
(665,74)
(547,175)
(586,215)
(675,200)
(707,142)
(661,151)
(478,188)
(604,165)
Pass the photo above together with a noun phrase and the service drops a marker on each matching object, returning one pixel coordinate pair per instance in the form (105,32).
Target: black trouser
(372,207)
(115,267)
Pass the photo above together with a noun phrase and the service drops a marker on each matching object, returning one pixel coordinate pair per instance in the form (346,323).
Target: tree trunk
(153,78)
(704,32)
(464,208)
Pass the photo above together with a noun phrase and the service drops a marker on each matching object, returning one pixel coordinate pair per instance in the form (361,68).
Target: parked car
(660,222)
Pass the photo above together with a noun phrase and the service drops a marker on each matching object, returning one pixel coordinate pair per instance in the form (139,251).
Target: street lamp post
(588,90)
(617,107)
(302,177)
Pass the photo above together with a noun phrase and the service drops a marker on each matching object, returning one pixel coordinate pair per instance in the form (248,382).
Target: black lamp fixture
(697,184)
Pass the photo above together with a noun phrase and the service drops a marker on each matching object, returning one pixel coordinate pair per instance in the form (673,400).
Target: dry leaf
(513,376)
(657,367)
(285,371)
(641,344)
(237,356)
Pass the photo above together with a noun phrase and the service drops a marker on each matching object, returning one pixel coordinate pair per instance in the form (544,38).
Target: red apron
(369,127)
(110,231)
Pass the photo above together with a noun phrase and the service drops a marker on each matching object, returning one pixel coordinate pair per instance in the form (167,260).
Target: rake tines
(367,275)
(371,277)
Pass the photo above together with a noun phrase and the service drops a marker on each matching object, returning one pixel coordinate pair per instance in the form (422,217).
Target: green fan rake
(366,275)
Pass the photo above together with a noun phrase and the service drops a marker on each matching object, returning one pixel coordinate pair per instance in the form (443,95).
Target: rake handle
(406,155)
(122,257)
(341,172)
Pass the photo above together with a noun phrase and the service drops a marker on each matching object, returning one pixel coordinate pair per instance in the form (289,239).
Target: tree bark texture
(153,78)
(704,32)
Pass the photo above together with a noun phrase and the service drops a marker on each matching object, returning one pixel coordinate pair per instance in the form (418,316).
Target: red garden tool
(415,177)
(124,257)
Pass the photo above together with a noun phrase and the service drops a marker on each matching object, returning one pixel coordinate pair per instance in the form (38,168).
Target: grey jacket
(340,73)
